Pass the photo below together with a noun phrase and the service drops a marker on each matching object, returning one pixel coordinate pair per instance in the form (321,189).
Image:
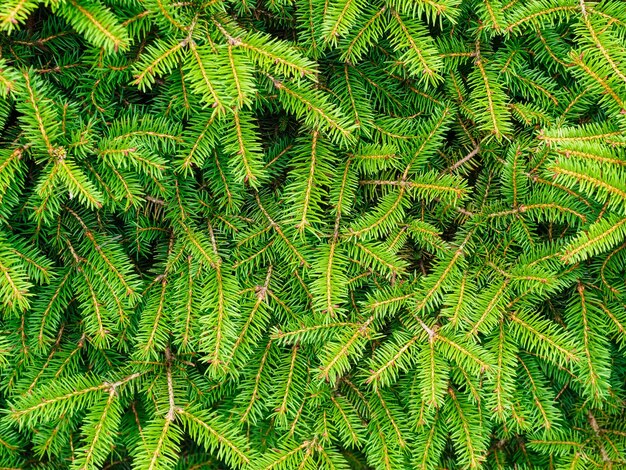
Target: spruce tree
(312,234)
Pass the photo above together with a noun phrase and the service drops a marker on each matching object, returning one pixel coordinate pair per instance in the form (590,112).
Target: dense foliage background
(309,234)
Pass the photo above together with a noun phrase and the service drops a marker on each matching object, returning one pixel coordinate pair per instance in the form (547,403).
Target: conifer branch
(105,31)
(312,234)
(598,43)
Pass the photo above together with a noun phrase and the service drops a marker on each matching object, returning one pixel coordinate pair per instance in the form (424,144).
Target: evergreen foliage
(312,234)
